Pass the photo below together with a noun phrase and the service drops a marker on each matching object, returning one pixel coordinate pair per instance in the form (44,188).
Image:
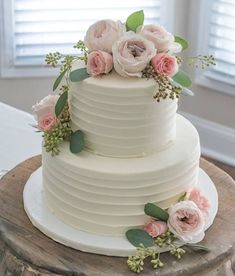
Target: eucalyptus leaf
(138,236)
(58,80)
(77,141)
(154,211)
(187,92)
(182,79)
(197,247)
(79,75)
(135,20)
(61,103)
(182,197)
(182,42)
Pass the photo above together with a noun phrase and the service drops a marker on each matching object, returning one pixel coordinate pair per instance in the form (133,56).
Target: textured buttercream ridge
(95,226)
(130,172)
(117,99)
(163,107)
(118,116)
(128,183)
(123,193)
(109,208)
(148,121)
(111,113)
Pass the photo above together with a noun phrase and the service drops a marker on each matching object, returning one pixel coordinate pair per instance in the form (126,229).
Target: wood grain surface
(25,251)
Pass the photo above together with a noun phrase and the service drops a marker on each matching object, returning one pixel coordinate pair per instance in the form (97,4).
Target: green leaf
(61,103)
(197,247)
(182,78)
(135,20)
(58,80)
(182,197)
(79,75)
(138,236)
(77,141)
(182,42)
(154,211)
(187,92)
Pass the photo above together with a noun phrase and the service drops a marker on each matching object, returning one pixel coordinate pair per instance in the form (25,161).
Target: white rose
(131,54)
(102,34)
(186,221)
(158,35)
(45,106)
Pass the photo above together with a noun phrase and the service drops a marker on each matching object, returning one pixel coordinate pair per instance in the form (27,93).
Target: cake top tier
(120,118)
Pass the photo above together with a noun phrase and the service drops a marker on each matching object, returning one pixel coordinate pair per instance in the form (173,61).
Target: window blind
(222,39)
(43,26)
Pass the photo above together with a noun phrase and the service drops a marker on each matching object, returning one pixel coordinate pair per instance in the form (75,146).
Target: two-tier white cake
(120,168)
(137,151)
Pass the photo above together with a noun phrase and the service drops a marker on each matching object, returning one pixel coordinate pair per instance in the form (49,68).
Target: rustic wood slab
(24,250)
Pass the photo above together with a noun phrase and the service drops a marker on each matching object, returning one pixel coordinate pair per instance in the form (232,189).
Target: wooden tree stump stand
(24,250)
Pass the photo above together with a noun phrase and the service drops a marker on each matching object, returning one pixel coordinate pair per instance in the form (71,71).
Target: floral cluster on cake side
(180,227)
(132,49)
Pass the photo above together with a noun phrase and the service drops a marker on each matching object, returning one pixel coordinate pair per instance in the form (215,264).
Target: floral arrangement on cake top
(180,227)
(132,49)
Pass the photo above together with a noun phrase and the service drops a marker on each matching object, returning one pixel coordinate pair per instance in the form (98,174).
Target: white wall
(209,104)
(23,93)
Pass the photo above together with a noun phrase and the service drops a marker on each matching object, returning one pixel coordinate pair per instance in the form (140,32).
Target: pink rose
(47,122)
(102,34)
(45,106)
(165,64)
(201,201)
(186,221)
(155,228)
(131,54)
(158,35)
(99,62)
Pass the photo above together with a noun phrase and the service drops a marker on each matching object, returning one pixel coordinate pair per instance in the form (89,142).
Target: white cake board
(53,227)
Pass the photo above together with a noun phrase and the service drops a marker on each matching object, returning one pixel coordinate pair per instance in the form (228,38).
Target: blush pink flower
(47,122)
(186,221)
(200,200)
(165,64)
(99,62)
(155,228)
(45,106)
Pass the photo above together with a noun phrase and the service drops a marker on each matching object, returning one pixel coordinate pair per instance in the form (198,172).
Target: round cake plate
(53,227)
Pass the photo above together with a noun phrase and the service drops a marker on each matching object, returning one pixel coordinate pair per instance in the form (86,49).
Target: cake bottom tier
(105,195)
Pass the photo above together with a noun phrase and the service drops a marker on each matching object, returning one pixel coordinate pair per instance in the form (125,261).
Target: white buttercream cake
(137,151)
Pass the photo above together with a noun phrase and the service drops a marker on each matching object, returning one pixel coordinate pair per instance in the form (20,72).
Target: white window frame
(201,11)
(7,67)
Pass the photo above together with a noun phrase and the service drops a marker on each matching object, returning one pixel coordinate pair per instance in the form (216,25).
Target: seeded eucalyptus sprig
(58,134)
(167,240)
(136,262)
(65,61)
(53,58)
(81,46)
(166,89)
(201,61)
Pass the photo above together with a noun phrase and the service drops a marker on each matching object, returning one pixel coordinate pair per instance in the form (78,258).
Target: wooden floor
(227,168)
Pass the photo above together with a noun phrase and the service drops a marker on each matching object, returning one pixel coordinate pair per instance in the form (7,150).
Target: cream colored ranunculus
(131,54)
(102,35)
(158,35)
